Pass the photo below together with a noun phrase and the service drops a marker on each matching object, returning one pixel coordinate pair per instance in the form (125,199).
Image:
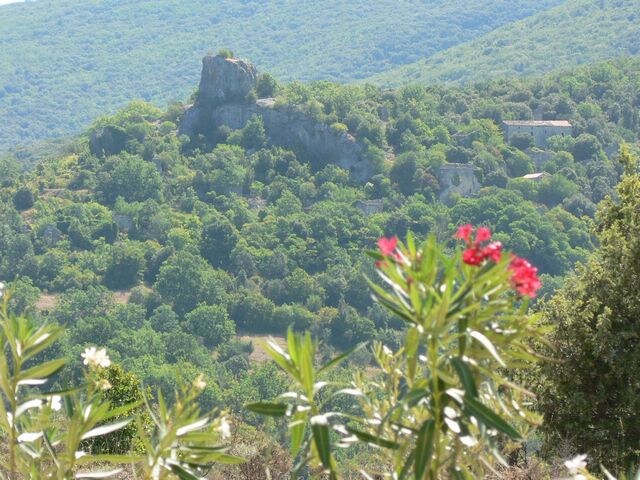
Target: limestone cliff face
(225,80)
(222,100)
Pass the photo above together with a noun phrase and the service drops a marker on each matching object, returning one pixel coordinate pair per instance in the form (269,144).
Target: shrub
(266,86)
(446,400)
(23,199)
(46,434)
(225,53)
(591,396)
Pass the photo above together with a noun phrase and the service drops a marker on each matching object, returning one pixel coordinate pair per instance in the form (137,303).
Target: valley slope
(64,62)
(576,32)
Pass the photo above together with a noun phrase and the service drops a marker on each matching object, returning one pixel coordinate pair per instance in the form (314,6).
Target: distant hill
(63,62)
(575,33)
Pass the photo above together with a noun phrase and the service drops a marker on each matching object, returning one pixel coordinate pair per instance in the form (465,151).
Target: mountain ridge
(612,30)
(62,63)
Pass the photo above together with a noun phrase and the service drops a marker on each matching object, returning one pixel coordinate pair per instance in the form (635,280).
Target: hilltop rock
(225,80)
(222,100)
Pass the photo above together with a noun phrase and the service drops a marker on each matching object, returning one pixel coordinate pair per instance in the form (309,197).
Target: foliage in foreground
(445,403)
(49,434)
(593,396)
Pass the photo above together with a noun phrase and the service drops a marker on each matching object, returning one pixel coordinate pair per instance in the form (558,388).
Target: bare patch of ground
(259,354)
(47,301)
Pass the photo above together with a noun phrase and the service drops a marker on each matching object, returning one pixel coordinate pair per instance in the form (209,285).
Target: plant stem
(433,365)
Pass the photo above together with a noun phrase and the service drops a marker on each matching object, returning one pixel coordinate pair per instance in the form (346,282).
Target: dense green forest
(576,32)
(63,62)
(429,272)
(140,237)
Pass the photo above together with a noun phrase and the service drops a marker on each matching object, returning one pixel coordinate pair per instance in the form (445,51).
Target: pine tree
(592,397)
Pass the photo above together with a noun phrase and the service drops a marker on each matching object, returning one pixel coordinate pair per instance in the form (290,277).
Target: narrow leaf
(297,427)
(267,408)
(106,474)
(105,429)
(192,427)
(486,343)
(335,361)
(44,370)
(182,472)
(372,439)
(465,375)
(323,446)
(424,448)
(490,418)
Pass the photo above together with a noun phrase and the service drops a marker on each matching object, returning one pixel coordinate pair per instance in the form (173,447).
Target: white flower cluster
(224,428)
(199,383)
(576,466)
(95,358)
(1,288)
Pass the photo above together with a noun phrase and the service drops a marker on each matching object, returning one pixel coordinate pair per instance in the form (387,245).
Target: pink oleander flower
(388,248)
(476,252)
(524,277)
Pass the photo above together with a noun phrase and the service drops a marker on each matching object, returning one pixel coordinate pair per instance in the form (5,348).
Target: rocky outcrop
(108,140)
(225,80)
(222,101)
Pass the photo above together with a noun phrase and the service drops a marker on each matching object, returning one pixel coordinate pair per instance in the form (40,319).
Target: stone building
(540,130)
(536,177)
(370,207)
(458,178)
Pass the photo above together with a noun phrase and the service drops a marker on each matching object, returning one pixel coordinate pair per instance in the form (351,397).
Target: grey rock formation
(222,100)
(109,140)
(225,80)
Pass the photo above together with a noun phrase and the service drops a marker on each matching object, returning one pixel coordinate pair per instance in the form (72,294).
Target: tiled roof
(537,123)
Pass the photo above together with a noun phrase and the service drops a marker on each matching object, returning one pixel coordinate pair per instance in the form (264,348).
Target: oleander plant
(49,434)
(446,404)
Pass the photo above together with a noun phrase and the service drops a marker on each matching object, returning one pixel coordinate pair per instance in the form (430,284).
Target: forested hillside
(64,62)
(163,243)
(576,32)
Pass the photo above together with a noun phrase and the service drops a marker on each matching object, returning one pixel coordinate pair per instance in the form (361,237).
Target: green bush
(591,397)
(225,53)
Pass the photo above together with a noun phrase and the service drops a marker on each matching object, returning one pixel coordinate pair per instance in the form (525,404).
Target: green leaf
(406,468)
(323,446)
(268,408)
(306,355)
(372,439)
(335,361)
(297,428)
(51,450)
(465,375)
(192,427)
(282,359)
(292,345)
(424,448)
(42,371)
(411,244)
(105,429)
(486,343)
(117,411)
(105,474)
(182,472)
(228,459)
(489,418)
(415,395)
